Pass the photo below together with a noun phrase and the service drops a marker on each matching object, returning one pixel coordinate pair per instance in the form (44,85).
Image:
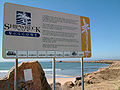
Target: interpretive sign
(35,33)
(28,74)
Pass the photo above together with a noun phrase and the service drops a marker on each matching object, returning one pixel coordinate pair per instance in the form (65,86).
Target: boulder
(78,78)
(57,86)
(69,84)
(78,83)
(30,76)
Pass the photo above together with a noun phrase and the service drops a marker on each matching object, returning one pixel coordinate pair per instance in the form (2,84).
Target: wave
(47,70)
(4,71)
(58,76)
(50,70)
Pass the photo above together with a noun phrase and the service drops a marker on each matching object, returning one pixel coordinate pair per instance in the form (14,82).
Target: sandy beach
(107,78)
(61,80)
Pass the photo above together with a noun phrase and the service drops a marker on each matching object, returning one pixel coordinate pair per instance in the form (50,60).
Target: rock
(78,78)
(69,84)
(115,65)
(57,86)
(89,82)
(78,83)
(37,82)
(104,74)
(57,83)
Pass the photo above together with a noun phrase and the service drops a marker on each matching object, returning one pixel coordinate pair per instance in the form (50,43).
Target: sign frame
(82,39)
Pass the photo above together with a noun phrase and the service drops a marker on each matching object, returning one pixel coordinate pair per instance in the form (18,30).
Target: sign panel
(22,54)
(10,53)
(85,35)
(28,74)
(32,53)
(59,54)
(32,32)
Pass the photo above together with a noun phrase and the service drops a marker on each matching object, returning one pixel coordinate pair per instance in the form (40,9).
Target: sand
(61,80)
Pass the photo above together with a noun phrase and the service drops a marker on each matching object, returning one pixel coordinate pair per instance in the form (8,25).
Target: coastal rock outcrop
(30,76)
(102,79)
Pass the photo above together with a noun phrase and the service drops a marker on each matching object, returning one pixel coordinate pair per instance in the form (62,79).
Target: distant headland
(97,61)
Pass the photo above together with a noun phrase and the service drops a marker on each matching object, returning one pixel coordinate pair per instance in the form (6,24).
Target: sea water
(63,70)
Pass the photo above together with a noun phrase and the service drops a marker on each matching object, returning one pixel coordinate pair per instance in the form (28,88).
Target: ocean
(63,70)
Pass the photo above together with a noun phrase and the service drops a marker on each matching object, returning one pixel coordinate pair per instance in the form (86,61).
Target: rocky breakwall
(30,77)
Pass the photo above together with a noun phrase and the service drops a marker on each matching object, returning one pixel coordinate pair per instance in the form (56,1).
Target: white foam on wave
(50,70)
(47,70)
(4,71)
(58,76)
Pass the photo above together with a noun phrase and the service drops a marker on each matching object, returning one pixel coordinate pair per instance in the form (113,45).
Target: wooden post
(16,75)
(53,73)
(82,73)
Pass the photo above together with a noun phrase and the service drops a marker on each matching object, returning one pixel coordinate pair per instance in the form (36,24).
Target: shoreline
(107,78)
(66,78)
(98,61)
(61,80)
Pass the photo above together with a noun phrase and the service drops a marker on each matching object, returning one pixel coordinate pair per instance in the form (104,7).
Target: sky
(104,22)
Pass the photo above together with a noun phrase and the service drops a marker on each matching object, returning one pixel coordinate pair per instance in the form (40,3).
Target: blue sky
(104,17)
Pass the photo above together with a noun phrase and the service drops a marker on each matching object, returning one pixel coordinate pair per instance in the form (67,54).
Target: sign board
(30,32)
(28,74)
(85,36)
